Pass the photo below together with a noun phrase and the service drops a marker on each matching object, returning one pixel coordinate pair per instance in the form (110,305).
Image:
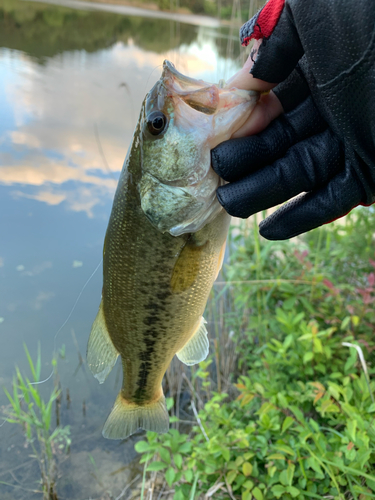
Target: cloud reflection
(35,270)
(50,148)
(41,299)
(46,196)
(79,199)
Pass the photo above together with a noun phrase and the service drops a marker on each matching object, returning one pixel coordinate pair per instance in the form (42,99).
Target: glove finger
(314,209)
(237,158)
(281,47)
(307,165)
(292,91)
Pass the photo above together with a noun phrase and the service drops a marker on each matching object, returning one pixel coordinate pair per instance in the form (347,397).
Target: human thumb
(243,79)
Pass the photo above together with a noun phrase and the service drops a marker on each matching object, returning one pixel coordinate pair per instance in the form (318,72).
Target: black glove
(324,145)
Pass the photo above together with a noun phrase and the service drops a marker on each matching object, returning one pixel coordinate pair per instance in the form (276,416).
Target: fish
(164,245)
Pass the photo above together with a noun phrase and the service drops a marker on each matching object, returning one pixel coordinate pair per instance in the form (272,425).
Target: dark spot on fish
(149,335)
(148,242)
(149,320)
(140,394)
(162,295)
(152,305)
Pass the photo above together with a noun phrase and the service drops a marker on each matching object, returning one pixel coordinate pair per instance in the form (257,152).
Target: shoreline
(120,7)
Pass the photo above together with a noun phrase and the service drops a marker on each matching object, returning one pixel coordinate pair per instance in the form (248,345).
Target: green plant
(291,433)
(297,416)
(34,415)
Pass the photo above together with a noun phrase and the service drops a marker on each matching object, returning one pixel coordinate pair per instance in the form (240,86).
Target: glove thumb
(281,47)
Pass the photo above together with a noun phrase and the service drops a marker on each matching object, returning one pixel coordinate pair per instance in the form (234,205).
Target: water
(71,85)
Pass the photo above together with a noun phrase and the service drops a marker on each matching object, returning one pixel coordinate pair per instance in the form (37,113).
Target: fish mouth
(190,84)
(169,70)
(172,84)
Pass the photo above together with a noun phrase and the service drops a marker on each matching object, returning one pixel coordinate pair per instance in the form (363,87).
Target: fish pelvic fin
(197,348)
(101,353)
(126,418)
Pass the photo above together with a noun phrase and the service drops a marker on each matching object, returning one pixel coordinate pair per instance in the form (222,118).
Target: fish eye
(156,122)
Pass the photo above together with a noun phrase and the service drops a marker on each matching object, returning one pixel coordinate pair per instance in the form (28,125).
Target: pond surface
(71,85)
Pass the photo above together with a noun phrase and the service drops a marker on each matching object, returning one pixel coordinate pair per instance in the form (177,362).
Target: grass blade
(194,487)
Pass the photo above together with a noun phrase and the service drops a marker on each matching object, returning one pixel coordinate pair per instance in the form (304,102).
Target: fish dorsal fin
(196,350)
(101,353)
(126,418)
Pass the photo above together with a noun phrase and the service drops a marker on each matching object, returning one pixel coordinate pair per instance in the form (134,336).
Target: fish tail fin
(126,418)
(101,353)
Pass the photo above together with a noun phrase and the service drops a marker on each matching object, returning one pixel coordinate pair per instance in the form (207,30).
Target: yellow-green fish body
(164,246)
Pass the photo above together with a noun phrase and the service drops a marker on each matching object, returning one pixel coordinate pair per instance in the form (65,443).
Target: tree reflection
(46,30)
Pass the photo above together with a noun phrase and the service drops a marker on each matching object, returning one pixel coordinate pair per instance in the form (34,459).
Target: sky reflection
(67,119)
(71,86)
(67,124)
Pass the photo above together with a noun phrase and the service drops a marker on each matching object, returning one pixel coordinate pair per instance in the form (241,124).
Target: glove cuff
(281,47)
(263,23)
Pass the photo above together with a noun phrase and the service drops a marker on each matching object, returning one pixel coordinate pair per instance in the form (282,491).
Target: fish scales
(163,249)
(146,309)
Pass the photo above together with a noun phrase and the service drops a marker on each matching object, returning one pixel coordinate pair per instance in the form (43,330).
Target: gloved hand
(323,52)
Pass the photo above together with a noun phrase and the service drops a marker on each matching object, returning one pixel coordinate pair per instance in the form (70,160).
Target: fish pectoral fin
(196,350)
(126,418)
(187,267)
(220,260)
(101,353)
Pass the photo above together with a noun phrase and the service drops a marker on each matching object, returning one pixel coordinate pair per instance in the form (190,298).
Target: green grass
(34,415)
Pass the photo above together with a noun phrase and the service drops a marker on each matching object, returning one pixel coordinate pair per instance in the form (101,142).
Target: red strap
(343,215)
(267,20)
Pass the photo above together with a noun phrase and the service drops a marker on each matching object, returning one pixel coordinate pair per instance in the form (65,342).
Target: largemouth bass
(164,245)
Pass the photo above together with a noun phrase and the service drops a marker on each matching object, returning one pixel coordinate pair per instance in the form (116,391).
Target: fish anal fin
(126,418)
(187,266)
(197,348)
(101,353)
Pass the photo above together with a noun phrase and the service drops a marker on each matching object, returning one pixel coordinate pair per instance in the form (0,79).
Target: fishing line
(149,76)
(65,322)
(59,330)
(61,327)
